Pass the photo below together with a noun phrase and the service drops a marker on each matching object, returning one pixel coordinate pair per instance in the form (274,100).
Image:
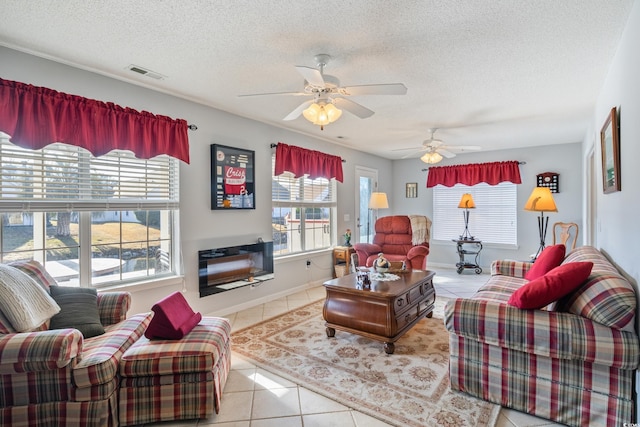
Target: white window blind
(64,177)
(494,220)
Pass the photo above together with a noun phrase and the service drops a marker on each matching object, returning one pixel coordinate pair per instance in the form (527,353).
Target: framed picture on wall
(411,190)
(232,178)
(610,147)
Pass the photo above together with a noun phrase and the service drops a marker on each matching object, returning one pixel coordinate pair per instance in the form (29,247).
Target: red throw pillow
(173,318)
(549,258)
(552,286)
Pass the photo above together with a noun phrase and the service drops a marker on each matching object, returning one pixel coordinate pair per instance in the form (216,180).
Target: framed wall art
(610,147)
(232,178)
(411,190)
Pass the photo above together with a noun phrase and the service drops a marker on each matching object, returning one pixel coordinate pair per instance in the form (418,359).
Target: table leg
(331,332)
(389,347)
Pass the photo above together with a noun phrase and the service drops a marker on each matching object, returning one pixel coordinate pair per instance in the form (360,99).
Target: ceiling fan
(435,149)
(329,97)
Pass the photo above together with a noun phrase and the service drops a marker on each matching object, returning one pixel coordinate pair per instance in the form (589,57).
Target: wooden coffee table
(385,312)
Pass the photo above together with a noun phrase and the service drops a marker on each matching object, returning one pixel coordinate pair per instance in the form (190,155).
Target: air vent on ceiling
(145,72)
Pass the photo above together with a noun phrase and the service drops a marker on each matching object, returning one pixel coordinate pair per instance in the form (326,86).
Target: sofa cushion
(549,258)
(78,310)
(173,318)
(199,351)
(25,304)
(36,271)
(606,298)
(557,283)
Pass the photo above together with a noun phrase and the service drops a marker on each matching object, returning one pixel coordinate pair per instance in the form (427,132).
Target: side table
(472,249)
(342,257)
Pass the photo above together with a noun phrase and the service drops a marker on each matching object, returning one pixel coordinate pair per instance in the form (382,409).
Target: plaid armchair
(57,377)
(573,362)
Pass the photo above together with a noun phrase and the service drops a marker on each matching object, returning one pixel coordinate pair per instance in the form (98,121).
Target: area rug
(407,388)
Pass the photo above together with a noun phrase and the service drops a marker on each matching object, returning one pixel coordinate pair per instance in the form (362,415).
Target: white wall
(202,228)
(617,225)
(617,213)
(564,159)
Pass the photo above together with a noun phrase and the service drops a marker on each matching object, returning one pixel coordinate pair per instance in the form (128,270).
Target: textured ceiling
(498,74)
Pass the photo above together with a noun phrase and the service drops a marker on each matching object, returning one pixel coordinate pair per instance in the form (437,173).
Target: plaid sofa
(573,362)
(57,377)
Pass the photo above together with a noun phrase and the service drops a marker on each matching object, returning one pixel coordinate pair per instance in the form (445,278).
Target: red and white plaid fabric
(166,380)
(58,378)
(574,363)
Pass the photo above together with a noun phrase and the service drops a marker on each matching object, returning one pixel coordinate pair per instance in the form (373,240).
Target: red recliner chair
(395,238)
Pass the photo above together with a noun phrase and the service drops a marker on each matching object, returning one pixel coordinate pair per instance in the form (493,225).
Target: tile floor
(254,397)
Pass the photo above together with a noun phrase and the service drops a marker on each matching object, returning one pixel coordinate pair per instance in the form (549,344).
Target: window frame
(138,185)
(298,202)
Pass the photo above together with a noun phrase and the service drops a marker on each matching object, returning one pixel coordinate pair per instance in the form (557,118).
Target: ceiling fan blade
(411,148)
(380,89)
(418,151)
(313,76)
(353,107)
(445,153)
(296,113)
(277,93)
(462,148)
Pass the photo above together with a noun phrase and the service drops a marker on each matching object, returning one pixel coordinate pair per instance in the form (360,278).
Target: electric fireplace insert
(223,269)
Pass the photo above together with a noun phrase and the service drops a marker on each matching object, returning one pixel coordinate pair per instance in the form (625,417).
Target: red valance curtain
(301,161)
(475,173)
(36,116)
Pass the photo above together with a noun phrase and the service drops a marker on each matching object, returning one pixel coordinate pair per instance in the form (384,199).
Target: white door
(591,226)
(368,183)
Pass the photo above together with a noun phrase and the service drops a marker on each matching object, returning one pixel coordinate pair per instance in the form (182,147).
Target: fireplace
(224,269)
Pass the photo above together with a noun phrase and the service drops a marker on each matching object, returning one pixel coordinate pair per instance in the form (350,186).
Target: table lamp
(466,203)
(541,200)
(377,201)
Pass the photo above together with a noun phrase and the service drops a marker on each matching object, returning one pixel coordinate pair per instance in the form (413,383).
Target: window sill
(144,285)
(301,255)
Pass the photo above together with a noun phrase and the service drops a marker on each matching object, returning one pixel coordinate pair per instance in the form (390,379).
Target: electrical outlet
(308,264)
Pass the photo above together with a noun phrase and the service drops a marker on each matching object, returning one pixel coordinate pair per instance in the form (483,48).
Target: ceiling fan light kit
(431,157)
(322,114)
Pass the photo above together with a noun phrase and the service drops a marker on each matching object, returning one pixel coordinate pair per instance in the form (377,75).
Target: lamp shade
(378,201)
(467,202)
(541,200)
(431,157)
(322,113)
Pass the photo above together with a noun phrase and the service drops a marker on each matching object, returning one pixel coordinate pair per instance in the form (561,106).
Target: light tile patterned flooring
(254,397)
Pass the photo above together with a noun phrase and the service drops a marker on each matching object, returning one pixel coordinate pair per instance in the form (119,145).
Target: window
(494,220)
(90,220)
(303,213)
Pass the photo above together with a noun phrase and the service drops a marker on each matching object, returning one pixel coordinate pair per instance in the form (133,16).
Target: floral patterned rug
(407,388)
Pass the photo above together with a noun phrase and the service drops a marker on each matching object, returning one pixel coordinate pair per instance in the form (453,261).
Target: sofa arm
(113,307)
(510,268)
(544,333)
(364,250)
(39,351)
(417,254)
